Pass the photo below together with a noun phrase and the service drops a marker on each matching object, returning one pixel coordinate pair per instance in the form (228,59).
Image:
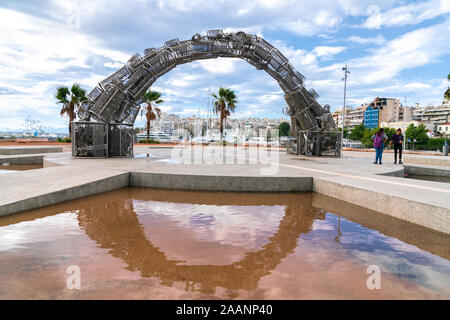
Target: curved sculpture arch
(117,98)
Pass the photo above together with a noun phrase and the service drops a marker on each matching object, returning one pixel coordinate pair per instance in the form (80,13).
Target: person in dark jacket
(397,139)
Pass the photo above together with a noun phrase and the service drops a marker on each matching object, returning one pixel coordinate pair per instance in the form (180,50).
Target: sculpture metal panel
(116,99)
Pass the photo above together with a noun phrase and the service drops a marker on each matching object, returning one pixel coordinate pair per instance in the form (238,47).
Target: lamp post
(404,126)
(346,73)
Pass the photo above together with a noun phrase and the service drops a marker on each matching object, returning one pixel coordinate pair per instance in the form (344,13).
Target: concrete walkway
(352,178)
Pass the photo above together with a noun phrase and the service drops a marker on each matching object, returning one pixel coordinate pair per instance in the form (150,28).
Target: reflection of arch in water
(115,226)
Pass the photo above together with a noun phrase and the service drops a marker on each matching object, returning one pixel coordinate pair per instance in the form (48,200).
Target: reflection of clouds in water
(392,255)
(236,225)
(48,229)
(322,225)
(202,220)
(435,275)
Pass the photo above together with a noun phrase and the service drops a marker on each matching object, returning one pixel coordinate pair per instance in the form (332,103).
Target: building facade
(444,129)
(371,117)
(353,117)
(404,125)
(434,115)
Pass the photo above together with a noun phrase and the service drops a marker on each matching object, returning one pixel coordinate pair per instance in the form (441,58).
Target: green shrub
(436,143)
(284,128)
(358,132)
(65,140)
(151,141)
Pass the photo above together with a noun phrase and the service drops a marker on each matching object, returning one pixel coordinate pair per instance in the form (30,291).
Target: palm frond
(158,111)
(152,96)
(64,109)
(225,99)
(77,91)
(62,94)
(447,94)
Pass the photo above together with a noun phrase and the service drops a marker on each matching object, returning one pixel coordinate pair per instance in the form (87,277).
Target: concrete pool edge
(427,170)
(22,160)
(220,183)
(405,208)
(72,193)
(410,210)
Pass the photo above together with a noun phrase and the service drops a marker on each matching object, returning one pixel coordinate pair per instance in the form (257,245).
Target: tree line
(414,137)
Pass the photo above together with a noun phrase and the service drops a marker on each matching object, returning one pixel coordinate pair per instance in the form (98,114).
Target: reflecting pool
(140,243)
(6,167)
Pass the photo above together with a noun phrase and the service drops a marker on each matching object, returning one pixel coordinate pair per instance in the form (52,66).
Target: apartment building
(434,115)
(386,110)
(404,125)
(444,129)
(353,117)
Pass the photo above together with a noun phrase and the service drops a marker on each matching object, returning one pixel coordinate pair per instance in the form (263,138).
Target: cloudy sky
(393,48)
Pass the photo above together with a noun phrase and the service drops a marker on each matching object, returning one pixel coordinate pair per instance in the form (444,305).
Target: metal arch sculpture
(116,100)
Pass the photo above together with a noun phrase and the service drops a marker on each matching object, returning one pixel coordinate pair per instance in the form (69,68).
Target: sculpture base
(101,140)
(316,143)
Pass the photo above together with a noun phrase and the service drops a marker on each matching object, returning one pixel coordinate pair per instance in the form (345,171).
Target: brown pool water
(138,243)
(20,167)
(428,178)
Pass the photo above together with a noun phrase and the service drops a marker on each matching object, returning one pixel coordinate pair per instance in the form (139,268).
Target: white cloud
(219,65)
(321,51)
(115,65)
(36,48)
(411,50)
(413,13)
(379,39)
(417,85)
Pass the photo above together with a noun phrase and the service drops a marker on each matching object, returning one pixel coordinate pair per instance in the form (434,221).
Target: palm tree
(224,105)
(70,100)
(447,93)
(149,98)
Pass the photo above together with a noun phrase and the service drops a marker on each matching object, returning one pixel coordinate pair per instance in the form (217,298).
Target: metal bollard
(445,150)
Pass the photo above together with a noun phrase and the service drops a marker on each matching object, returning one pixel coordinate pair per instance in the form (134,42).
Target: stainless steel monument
(107,117)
